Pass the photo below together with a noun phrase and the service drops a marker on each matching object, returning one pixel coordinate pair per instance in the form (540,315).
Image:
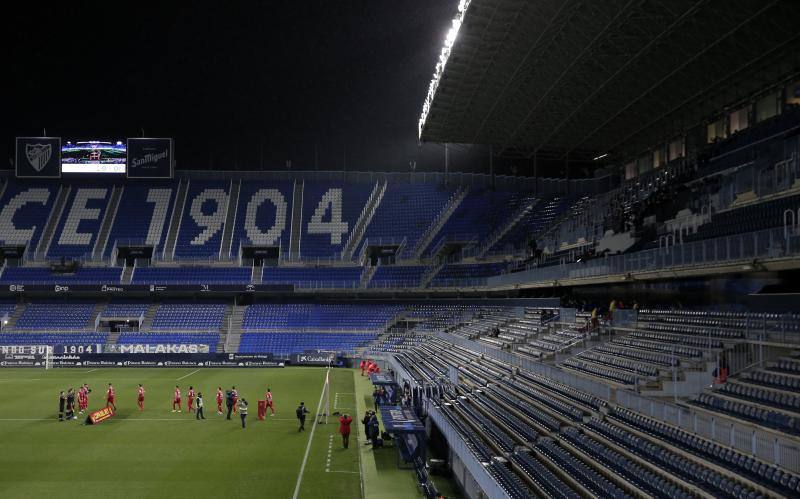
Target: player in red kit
(219,400)
(83,397)
(176,399)
(140,397)
(268,396)
(362,365)
(86,392)
(110,398)
(190,399)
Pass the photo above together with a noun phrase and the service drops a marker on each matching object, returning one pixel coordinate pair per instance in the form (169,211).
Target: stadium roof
(585,77)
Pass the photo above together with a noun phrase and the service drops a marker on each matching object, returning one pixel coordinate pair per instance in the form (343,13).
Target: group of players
(369,367)
(66,405)
(66,402)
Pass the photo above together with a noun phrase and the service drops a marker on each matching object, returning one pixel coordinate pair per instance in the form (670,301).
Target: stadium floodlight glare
(449,41)
(597,158)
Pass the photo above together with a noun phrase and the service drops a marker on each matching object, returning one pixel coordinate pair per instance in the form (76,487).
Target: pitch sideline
(310,437)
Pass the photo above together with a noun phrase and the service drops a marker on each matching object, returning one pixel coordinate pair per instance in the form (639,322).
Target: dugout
(387,382)
(408,432)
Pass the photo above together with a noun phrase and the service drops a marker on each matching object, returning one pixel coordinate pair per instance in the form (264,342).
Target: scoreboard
(50,157)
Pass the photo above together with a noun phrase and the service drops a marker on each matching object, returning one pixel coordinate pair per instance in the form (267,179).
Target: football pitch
(158,453)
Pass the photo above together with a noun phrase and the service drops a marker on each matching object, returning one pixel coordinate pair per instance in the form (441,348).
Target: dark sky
(230,79)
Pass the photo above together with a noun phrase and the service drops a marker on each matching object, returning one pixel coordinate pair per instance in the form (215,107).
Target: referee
(71,404)
(301,412)
(62,400)
(229,402)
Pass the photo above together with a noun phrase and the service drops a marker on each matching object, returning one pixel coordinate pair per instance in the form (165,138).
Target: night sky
(237,84)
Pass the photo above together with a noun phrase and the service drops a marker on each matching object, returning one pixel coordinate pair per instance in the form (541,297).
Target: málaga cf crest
(38,155)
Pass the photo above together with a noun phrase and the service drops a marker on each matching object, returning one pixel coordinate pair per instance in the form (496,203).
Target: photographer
(365,422)
(344,429)
(243,411)
(199,414)
(374,431)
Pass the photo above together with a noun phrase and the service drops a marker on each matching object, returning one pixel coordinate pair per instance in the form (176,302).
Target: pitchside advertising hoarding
(23,355)
(151,355)
(117,289)
(196,360)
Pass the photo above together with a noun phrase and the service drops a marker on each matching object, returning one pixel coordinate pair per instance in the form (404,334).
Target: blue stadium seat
(43,275)
(191,275)
(143,215)
(313,277)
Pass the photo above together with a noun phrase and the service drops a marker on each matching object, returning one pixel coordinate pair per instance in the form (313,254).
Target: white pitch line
(186,376)
(341,471)
(91,370)
(310,438)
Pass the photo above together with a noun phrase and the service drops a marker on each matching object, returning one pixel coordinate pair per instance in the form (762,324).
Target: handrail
(768,243)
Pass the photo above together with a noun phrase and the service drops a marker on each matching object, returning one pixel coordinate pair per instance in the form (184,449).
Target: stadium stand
(124,310)
(142,217)
(24,209)
(183,275)
(52,339)
(405,212)
(477,215)
(201,226)
(330,210)
(79,225)
(453,275)
(56,315)
(42,275)
(189,317)
(263,216)
(322,317)
(170,339)
(397,276)
(289,343)
(313,277)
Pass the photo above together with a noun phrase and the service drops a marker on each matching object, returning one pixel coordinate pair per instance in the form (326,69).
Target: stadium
(549,249)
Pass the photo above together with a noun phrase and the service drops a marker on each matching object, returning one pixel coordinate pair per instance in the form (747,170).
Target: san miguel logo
(150,158)
(38,155)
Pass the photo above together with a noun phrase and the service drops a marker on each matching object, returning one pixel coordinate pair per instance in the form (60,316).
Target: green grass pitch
(158,454)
